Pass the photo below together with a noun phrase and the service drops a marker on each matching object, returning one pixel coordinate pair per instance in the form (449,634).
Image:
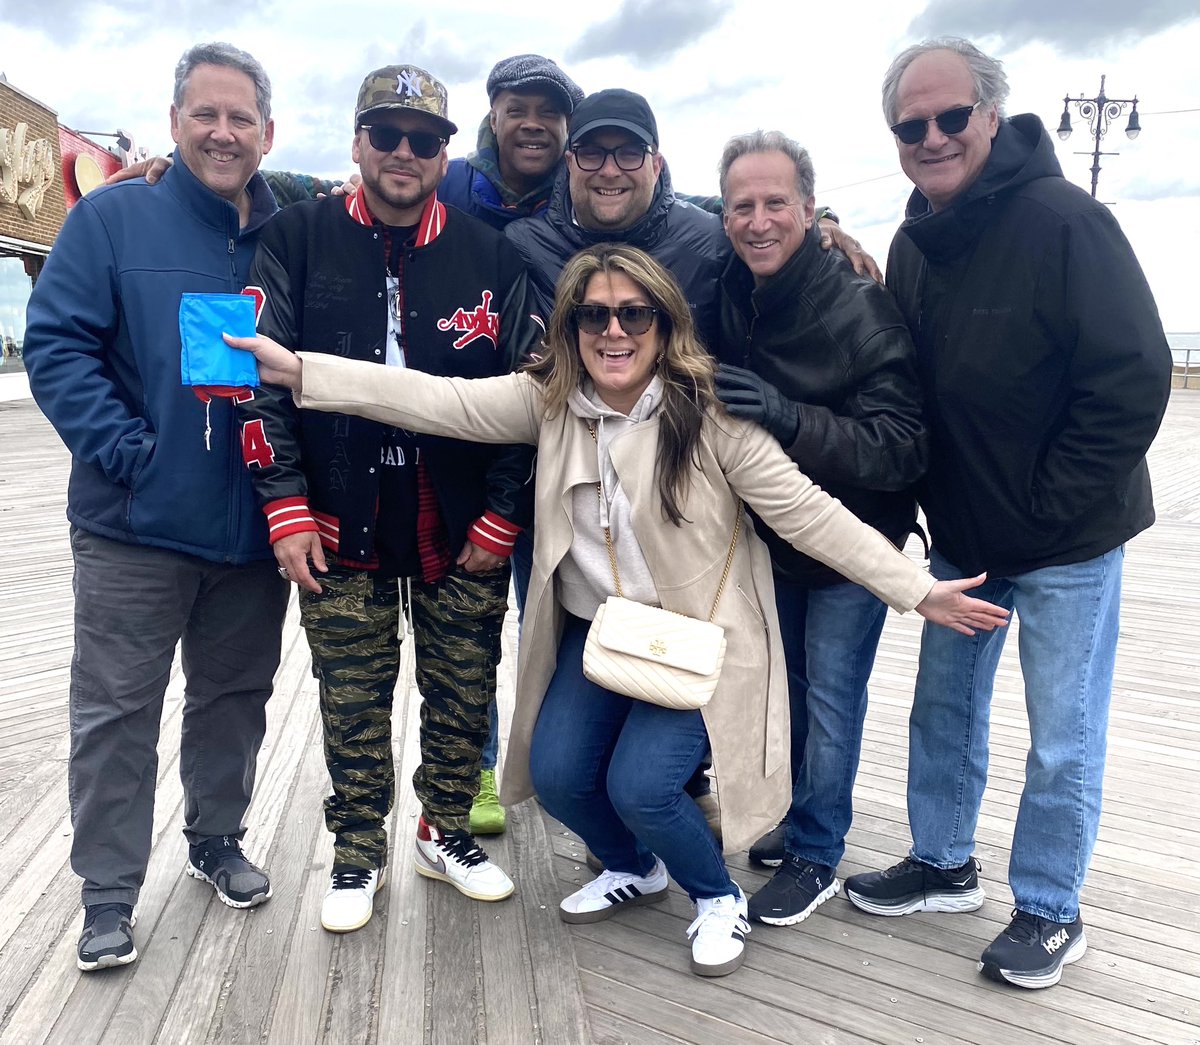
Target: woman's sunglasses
(594,319)
(952,121)
(425,145)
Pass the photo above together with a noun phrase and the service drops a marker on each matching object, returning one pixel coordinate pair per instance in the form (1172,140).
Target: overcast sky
(710,68)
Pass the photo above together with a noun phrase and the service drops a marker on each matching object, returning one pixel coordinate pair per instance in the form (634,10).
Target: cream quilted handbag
(653,654)
(650,653)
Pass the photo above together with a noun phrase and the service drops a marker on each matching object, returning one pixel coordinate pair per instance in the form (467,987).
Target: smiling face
(219,130)
(765,216)
(531,135)
(610,199)
(398,183)
(943,166)
(620,365)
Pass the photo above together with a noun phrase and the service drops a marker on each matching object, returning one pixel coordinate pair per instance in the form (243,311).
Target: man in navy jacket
(167,540)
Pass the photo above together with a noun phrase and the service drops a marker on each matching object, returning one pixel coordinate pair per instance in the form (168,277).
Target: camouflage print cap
(396,87)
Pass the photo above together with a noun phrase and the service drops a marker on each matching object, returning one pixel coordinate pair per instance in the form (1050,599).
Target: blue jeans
(613,769)
(830,636)
(1069,617)
(491,750)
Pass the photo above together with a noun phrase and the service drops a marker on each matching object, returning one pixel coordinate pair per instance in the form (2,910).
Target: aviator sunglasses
(425,145)
(594,319)
(952,121)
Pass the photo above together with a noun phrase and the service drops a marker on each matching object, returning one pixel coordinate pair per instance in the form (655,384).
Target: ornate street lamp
(1099,113)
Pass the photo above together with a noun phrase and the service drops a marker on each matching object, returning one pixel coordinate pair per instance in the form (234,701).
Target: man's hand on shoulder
(151,169)
(833,235)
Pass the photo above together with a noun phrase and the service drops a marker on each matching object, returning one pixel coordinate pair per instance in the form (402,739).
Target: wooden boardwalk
(433,967)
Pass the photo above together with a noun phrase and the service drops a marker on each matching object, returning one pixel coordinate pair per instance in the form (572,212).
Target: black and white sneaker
(350,901)
(1032,951)
(718,934)
(911,886)
(768,850)
(611,891)
(220,862)
(107,937)
(796,890)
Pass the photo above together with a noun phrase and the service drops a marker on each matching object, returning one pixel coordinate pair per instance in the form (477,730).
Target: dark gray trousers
(133,603)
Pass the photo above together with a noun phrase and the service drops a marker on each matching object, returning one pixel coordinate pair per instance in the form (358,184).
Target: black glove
(748,396)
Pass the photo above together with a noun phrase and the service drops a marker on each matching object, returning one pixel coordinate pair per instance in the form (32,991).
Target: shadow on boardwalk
(433,967)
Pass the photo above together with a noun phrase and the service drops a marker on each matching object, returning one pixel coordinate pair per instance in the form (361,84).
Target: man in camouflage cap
(370,520)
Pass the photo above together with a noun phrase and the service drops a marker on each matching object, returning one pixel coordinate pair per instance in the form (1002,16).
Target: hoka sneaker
(487,814)
(613,890)
(718,934)
(107,937)
(797,889)
(350,901)
(1032,951)
(220,862)
(768,850)
(455,857)
(911,886)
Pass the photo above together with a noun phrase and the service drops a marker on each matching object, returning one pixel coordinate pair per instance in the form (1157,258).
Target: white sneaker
(351,898)
(719,934)
(455,857)
(605,895)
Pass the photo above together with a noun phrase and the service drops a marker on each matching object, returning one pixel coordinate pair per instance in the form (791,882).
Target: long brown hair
(686,368)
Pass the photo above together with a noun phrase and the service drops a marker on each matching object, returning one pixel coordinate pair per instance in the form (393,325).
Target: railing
(1185,374)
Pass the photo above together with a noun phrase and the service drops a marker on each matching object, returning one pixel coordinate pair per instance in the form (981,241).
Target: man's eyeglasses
(634,319)
(593,157)
(425,145)
(952,121)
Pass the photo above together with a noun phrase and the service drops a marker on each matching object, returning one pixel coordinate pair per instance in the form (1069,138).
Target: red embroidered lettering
(260,299)
(477,323)
(257,451)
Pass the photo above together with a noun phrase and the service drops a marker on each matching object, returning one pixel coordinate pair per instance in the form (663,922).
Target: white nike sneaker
(719,934)
(605,895)
(350,901)
(455,857)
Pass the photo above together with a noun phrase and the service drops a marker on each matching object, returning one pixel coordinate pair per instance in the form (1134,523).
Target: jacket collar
(1021,153)
(429,225)
(216,211)
(778,291)
(485,162)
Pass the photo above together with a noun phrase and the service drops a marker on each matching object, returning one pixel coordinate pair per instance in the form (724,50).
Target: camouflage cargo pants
(352,630)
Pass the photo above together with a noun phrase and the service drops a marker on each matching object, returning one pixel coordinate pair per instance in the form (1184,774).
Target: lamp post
(1099,112)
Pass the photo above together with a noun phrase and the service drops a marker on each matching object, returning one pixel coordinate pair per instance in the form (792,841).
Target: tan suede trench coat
(747,718)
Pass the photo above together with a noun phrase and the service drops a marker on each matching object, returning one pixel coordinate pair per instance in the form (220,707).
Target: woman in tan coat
(631,438)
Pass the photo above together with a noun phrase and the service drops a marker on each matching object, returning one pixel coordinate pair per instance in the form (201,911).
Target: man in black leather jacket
(821,358)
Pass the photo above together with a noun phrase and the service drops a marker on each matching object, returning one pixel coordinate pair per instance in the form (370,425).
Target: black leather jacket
(688,241)
(836,343)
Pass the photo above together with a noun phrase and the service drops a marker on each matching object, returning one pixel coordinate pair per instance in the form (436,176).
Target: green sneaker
(487,814)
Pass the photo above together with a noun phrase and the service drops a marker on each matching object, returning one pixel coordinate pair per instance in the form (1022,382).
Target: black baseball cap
(615,107)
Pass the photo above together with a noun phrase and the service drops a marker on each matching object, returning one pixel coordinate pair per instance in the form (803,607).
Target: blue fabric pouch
(206,360)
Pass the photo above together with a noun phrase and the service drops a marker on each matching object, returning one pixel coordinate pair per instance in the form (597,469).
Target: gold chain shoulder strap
(612,555)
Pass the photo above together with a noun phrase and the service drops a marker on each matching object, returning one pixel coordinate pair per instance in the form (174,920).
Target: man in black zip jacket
(1046,374)
(391,275)
(822,359)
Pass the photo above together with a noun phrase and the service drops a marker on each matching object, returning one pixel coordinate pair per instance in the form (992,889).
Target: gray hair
(769,141)
(987,74)
(225,54)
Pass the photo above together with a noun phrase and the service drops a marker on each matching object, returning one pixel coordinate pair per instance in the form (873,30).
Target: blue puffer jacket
(102,351)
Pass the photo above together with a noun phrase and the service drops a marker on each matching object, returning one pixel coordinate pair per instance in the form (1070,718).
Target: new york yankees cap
(396,87)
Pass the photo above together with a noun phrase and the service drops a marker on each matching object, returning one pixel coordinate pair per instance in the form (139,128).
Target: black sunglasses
(952,121)
(594,319)
(425,145)
(627,157)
